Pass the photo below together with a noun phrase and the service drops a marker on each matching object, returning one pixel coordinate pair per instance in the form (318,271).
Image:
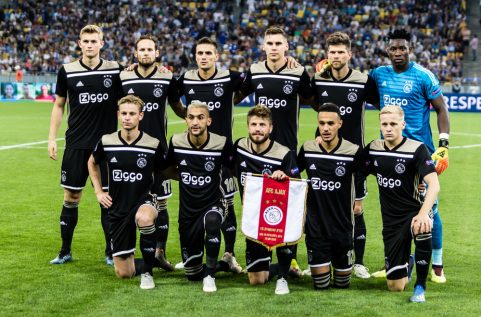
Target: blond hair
(199,104)
(92,29)
(133,100)
(392,110)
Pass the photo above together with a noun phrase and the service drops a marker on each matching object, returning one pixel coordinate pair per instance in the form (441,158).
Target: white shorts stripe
(71,187)
(397,267)
(320,265)
(257,261)
(193,257)
(124,252)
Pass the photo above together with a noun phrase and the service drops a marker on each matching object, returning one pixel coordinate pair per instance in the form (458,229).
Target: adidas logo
(191,92)
(243,164)
(231,228)
(165,227)
(113,160)
(384,84)
(183,163)
(312,167)
(131,91)
(63,223)
(375,163)
(80,84)
(422,262)
(214,240)
(361,237)
(325,94)
(260,86)
(149,249)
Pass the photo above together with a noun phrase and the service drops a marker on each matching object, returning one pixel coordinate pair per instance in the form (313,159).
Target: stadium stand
(40,36)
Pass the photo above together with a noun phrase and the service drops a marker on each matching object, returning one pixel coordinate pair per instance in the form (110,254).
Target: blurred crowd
(39,36)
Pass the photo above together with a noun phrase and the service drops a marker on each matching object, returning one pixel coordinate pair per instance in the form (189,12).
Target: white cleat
(361,271)
(307,272)
(146,281)
(209,284)
(234,267)
(281,287)
(179,266)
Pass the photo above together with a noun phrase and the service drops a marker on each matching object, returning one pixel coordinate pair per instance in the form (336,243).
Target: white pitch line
(23,145)
(469,146)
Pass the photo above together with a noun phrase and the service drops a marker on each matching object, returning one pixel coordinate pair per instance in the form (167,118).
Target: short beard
(146,65)
(261,141)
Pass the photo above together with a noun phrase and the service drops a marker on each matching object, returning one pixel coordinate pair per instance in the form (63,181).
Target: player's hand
(132,67)
(292,63)
(279,175)
(162,69)
(319,139)
(52,150)
(322,67)
(421,188)
(104,199)
(421,223)
(442,159)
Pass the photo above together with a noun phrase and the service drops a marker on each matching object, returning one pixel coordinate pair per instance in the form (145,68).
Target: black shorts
(123,229)
(75,171)
(228,183)
(258,257)
(192,233)
(162,187)
(397,248)
(327,251)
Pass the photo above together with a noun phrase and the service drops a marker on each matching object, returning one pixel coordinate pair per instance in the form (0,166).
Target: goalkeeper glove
(441,156)
(322,68)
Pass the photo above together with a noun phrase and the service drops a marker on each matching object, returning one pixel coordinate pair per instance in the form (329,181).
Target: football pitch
(31,199)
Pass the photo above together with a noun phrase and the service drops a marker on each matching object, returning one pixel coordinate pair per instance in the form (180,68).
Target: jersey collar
(148,76)
(334,149)
(342,79)
(133,143)
(278,71)
(211,77)
(271,144)
(396,147)
(200,147)
(88,68)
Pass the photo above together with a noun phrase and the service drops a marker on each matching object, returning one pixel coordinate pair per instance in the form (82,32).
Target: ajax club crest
(107,81)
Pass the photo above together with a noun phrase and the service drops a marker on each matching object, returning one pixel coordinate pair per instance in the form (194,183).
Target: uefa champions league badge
(273,215)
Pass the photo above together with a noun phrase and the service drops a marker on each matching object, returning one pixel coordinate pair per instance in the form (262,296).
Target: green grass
(29,236)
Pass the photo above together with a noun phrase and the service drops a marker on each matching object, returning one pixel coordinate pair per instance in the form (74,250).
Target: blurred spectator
(474,46)
(44,94)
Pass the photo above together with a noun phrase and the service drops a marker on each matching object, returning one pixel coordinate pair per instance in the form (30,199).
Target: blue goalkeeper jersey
(413,90)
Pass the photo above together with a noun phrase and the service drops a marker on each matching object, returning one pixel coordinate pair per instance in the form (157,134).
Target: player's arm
(174,99)
(306,91)
(94,171)
(55,121)
(422,222)
(245,89)
(441,154)
(171,172)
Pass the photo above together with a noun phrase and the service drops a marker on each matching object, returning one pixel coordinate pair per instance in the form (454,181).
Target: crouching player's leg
(145,220)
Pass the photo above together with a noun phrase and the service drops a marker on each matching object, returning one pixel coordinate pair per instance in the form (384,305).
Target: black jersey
(155,90)
(218,92)
(330,193)
(275,157)
(398,172)
(199,172)
(351,94)
(92,99)
(130,168)
(280,92)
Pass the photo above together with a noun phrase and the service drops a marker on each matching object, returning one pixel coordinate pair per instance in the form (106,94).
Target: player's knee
(124,272)
(212,222)
(396,285)
(72,196)
(145,217)
(258,278)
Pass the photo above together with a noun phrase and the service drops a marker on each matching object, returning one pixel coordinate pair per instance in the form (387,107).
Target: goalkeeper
(415,89)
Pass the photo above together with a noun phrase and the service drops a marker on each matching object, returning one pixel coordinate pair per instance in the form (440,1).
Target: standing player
(261,155)
(330,168)
(155,89)
(399,165)
(350,90)
(216,88)
(414,88)
(91,86)
(280,89)
(199,157)
(131,156)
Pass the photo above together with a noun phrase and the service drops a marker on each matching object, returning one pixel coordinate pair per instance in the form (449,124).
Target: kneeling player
(261,155)
(131,156)
(400,164)
(330,168)
(199,156)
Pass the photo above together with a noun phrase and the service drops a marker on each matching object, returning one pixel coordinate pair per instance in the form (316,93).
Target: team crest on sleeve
(218,90)
(158,91)
(209,165)
(141,161)
(400,168)
(408,86)
(273,215)
(340,169)
(352,96)
(287,87)
(108,81)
